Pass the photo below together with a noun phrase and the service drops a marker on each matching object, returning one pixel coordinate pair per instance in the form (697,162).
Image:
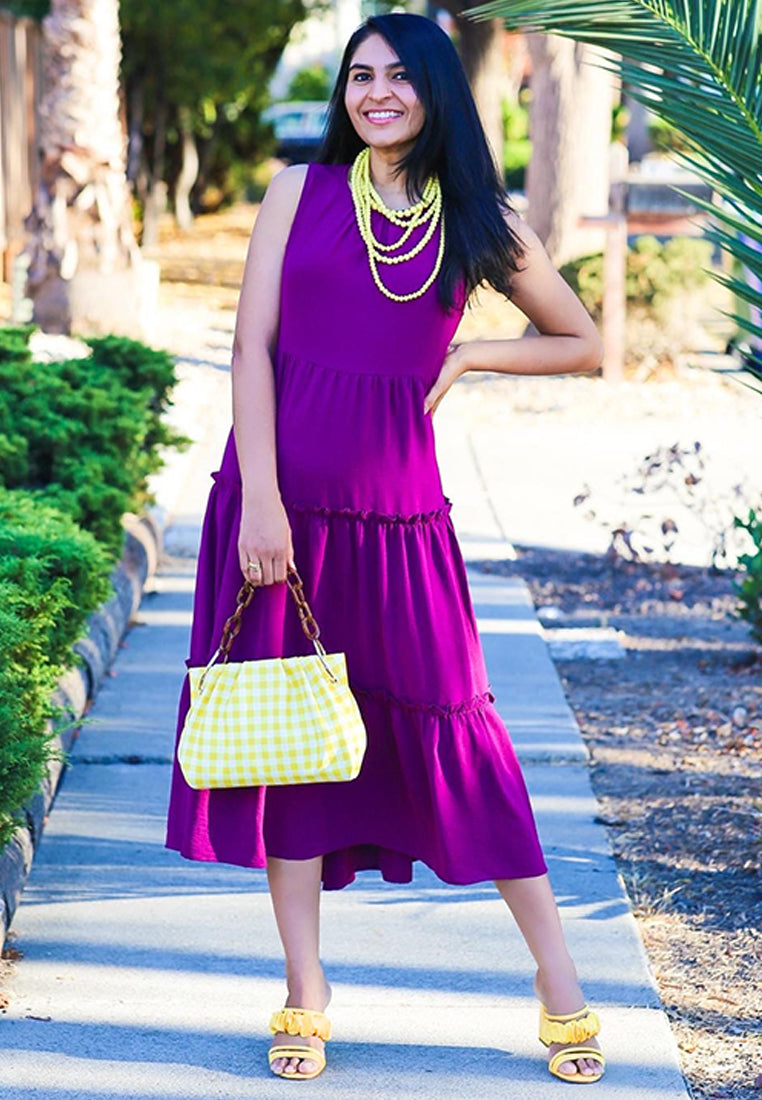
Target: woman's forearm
(254,405)
(532,355)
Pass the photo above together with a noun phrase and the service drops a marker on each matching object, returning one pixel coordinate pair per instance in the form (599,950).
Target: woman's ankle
(557,985)
(307,989)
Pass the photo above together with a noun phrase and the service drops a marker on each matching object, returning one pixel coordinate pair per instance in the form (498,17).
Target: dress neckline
(348,180)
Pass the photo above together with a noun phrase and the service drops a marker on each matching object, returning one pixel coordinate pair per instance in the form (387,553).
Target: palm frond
(697,64)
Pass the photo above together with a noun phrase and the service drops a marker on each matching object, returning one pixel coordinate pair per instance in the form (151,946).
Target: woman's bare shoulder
(289,179)
(541,292)
(282,195)
(523,230)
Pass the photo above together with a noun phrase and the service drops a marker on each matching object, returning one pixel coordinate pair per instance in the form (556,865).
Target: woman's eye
(359,76)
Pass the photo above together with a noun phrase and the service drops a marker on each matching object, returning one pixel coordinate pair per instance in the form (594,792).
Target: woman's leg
(534,907)
(295,894)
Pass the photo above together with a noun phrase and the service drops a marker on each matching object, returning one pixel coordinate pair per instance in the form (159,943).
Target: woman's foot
(316,995)
(561,993)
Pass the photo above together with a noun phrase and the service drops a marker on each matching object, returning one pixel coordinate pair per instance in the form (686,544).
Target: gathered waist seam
(445,710)
(328,511)
(283,353)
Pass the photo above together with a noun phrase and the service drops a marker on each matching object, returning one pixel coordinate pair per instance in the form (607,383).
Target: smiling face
(379,97)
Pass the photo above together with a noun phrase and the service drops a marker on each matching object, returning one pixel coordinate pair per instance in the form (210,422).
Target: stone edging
(77,688)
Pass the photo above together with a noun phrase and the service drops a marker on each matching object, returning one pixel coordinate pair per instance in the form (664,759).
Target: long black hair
(479,245)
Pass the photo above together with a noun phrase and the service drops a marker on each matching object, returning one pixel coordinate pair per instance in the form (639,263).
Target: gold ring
(253,565)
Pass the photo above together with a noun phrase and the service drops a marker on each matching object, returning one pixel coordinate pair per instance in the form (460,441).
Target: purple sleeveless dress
(383,573)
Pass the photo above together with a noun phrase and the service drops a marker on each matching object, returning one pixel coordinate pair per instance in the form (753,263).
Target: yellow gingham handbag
(276,721)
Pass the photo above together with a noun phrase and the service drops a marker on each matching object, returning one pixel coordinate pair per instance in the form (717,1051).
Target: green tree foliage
(211,60)
(312,83)
(32,9)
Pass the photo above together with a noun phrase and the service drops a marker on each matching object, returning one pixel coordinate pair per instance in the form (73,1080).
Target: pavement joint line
(553,758)
(485,487)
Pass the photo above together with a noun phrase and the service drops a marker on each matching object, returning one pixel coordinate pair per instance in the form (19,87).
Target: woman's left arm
(569,342)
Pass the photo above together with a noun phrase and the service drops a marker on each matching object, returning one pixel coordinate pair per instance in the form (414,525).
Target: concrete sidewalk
(148,976)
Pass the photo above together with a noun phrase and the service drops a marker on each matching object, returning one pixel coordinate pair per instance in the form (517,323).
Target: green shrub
(52,576)
(620,120)
(41,548)
(72,433)
(14,344)
(656,273)
(517,147)
(749,589)
(78,440)
(84,433)
(665,137)
(150,372)
(26,683)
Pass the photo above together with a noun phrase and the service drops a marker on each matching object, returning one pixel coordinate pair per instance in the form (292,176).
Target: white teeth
(384,114)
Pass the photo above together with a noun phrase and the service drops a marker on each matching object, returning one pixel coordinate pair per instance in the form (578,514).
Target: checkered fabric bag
(271,722)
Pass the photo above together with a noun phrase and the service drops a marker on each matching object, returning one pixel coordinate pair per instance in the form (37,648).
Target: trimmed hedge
(52,576)
(78,441)
(83,433)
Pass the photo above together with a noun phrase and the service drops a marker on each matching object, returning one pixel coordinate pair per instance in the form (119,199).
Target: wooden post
(614,281)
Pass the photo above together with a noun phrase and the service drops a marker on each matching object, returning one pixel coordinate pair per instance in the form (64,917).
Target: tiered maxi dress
(383,573)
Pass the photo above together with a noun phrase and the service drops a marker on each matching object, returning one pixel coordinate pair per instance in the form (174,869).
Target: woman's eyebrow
(360,65)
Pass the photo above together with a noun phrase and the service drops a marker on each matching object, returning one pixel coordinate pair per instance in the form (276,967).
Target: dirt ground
(675,736)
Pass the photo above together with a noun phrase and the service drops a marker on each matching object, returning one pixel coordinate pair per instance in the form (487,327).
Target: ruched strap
(301,1021)
(562,1029)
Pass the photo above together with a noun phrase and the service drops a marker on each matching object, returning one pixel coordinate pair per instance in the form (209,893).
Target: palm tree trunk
(481,51)
(84,264)
(570,128)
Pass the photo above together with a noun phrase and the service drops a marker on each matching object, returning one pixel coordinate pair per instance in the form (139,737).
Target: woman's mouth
(381,118)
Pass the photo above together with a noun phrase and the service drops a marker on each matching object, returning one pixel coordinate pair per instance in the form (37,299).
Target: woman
(340,360)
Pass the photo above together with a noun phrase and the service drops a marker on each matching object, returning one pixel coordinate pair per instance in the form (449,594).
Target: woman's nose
(379,90)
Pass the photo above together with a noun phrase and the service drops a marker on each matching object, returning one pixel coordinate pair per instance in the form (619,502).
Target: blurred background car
(298,128)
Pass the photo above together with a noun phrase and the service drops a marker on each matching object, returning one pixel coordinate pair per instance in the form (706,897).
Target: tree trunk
(84,265)
(481,51)
(570,129)
(135,152)
(188,170)
(156,200)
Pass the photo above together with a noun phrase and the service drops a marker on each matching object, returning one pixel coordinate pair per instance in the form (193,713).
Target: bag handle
(244,598)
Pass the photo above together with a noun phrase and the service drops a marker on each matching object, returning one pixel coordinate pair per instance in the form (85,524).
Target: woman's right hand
(265,537)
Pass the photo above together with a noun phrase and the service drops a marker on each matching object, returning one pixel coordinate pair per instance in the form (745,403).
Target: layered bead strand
(429,209)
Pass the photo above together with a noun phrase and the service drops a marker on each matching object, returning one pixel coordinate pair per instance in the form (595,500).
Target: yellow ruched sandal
(574,1028)
(303,1022)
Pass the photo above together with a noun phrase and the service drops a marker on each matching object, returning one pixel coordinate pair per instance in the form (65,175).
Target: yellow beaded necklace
(429,208)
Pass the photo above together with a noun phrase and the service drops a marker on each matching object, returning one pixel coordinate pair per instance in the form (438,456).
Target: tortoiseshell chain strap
(307,619)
